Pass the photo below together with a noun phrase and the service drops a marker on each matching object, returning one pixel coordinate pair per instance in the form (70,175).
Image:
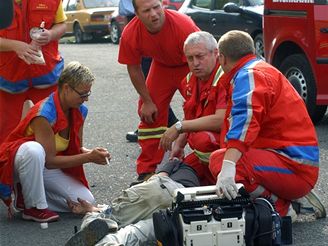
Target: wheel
(298,71)
(79,35)
(259,46)
(115,33)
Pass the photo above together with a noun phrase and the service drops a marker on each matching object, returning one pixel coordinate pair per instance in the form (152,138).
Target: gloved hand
(226,180)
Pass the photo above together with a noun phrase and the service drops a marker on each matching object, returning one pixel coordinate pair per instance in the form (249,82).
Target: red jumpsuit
(51,110)
(18,80)
(202,99)
(268,123)
(168,68)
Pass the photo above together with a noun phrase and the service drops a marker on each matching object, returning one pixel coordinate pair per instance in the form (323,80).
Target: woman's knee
(32,153)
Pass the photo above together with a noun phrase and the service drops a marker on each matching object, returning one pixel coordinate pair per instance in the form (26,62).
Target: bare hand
(168,138)
(26,52)
(81,206)
(44,38)
(148,113)
(98,155)
(176,152)
(85,150)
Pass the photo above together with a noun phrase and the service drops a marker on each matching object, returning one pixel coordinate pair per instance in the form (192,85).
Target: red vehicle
(296,42)
(173,4)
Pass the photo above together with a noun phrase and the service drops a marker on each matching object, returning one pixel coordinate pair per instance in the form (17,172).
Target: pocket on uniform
(43,10)
(132,195)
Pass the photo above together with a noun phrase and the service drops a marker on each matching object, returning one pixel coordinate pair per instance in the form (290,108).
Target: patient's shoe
(292,213)
(311,203)
(91,233)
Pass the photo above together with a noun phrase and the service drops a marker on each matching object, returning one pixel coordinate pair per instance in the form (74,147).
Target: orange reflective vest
(50,109)
(198,104)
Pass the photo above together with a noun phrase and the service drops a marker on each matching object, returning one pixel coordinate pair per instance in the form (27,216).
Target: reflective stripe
(273,169)
(308,155)
(10,87)
(50,78)
(257,192)
(216,79)
(188,77)
(203,156)
(242,111)
(42,81)
(273,197)
(150,133)
(217,76)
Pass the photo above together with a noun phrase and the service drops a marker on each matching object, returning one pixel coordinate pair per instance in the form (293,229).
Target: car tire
(298,71)
(115,33)
(78,34)
(259,46)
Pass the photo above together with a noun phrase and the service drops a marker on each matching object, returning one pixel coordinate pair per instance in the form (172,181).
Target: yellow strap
(217,76)
(149,133)
(188,77)
(203,156)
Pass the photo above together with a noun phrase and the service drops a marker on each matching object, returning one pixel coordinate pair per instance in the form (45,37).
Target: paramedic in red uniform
(45,152)
(157,33)
(270,142)
(20,78)
(204,107)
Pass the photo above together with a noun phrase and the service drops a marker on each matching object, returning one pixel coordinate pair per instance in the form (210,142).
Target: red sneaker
(40,215)
(19,199)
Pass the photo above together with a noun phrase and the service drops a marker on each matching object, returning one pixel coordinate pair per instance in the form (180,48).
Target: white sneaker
(311,203)
(291,212)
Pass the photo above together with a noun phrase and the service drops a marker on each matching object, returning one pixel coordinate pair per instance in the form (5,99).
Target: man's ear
(216,52)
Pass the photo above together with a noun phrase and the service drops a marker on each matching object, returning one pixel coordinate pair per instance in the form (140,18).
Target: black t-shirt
(181,173)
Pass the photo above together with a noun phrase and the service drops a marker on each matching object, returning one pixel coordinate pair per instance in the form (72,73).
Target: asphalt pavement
(112,112)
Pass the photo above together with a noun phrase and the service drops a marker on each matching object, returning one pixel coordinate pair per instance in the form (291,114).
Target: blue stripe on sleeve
(48,110)
(241,112)
(84,111)
(272,169)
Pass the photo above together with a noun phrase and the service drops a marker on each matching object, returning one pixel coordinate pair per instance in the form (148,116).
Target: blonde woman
(44,155)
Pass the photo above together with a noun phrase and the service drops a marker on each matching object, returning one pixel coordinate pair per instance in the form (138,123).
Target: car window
(252,2)
(71,5)
(321,2)
(206,4)
(100,3)
(65,2)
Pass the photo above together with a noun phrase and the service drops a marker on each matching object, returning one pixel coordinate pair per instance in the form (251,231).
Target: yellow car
(88,19)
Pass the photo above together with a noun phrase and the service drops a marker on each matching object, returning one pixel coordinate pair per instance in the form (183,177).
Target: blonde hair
(75,74)
(236,44)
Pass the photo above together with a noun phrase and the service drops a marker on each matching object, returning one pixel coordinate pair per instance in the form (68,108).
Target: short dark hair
(236,44)
(135,5)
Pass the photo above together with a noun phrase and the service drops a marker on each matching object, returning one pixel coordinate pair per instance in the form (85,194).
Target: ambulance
(296,42)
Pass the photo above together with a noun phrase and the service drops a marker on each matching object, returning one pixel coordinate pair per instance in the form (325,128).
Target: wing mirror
(232,8)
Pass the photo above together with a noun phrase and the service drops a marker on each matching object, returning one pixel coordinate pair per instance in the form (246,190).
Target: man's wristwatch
(178,126)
